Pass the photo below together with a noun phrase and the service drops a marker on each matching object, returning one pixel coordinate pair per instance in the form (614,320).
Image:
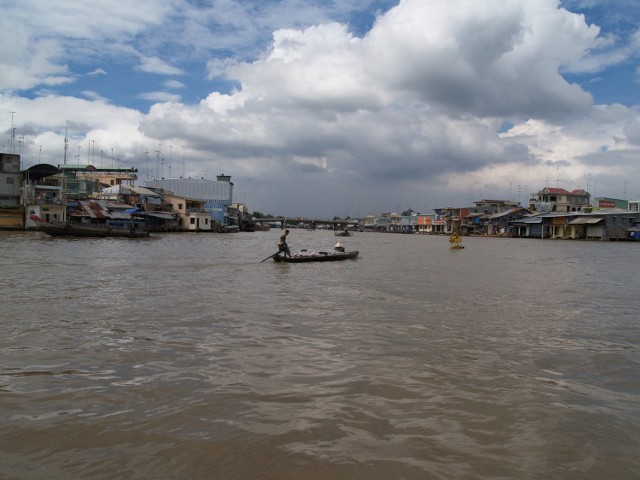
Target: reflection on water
(182,356)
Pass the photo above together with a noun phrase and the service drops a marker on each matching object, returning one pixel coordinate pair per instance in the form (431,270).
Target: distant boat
(311,256)
(456,242)
(124,229)
(343,233)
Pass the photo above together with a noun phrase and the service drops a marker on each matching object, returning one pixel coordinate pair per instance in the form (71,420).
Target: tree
(257,214)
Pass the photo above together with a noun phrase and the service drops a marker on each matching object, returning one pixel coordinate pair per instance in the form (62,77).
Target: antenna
(183,164)
(13,133)
(66,145)
(546,179)
(157,164)
(147,155)
(158,161)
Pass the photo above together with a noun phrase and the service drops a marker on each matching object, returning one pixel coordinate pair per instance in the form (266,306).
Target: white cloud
(160,97)
(39,37)
(90,94)
(173,84)
(487,59)
(410,109)
(158,66)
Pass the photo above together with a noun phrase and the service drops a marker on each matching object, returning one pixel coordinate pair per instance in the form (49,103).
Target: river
(181,356)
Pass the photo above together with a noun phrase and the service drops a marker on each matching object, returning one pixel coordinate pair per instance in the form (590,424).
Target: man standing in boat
(282,245)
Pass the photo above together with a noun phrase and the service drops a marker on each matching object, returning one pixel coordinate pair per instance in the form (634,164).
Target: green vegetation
(257,214)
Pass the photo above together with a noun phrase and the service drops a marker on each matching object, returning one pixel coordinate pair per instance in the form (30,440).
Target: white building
(216,194)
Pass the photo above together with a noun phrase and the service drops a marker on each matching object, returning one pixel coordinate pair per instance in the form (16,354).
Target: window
(9,180)
(193,221)
(179,206)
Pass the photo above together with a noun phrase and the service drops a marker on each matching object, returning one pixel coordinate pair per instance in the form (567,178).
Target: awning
(578,221)
(162,215)
(529,220)
(39,171)
(585,220)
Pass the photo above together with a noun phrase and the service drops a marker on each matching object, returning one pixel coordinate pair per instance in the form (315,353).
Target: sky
(332,108)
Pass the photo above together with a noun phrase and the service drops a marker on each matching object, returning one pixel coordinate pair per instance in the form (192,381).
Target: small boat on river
(312,256)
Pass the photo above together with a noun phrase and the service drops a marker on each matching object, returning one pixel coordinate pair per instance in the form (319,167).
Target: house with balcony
(550,200)
(449,220)
(191,213)
(42,195)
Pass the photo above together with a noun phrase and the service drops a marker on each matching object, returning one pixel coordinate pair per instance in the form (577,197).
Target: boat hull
(316,257)
(95,231)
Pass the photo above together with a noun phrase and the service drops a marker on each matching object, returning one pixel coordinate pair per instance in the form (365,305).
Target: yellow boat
(456,242)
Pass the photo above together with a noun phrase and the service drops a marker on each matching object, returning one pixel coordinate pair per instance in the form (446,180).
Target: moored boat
(312,256)
(124,229)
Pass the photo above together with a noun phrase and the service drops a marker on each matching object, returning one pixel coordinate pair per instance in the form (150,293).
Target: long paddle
(270,256)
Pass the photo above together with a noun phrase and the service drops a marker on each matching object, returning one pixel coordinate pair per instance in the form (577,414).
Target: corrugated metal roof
(585,220)
(578,221)
(511,211)
(163,215)
(105,210)
(530,220)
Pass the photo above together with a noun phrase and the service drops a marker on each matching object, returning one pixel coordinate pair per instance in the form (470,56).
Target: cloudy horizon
(323,110)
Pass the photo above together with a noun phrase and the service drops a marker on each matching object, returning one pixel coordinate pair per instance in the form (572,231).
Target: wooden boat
(124,229)
(343,233)
(311,256)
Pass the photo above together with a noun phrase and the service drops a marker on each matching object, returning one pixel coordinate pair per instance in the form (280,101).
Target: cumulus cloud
(413,107)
